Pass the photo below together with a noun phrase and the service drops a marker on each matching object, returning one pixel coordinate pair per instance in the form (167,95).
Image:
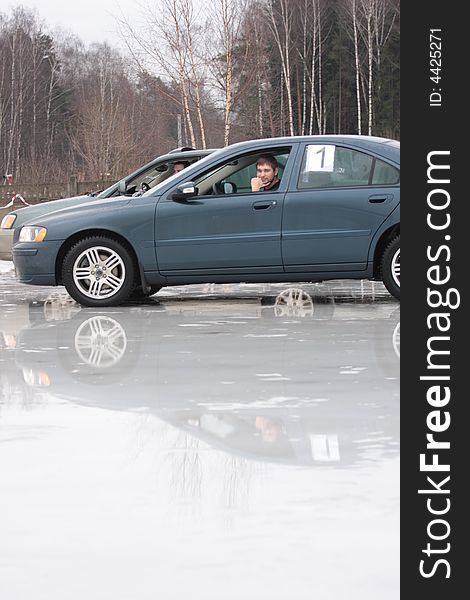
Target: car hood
(35,210)
(93,204)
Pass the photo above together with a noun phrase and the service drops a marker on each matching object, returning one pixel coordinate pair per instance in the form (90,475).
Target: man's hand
(256,184)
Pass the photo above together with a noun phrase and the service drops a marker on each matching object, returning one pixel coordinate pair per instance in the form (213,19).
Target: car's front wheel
(98,271)
(391,267)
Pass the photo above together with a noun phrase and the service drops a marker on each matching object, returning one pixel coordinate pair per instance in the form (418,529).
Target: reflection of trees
(186,468)
(201,476)
(238,473)
(190,475)
(15,392)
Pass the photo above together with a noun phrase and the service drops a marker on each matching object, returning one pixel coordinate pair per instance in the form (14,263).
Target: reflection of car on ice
(308,390)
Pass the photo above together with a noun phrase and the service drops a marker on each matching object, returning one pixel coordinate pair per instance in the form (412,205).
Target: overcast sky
(90,20)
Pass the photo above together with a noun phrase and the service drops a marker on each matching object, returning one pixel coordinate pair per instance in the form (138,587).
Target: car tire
(98,271)
(139,293)
(390,267)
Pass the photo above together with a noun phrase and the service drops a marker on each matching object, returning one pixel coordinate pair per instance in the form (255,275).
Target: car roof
(374,139)
(173,155)
(386,146)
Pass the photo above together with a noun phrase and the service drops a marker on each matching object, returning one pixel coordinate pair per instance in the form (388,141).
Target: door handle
(378,199)
(263,205)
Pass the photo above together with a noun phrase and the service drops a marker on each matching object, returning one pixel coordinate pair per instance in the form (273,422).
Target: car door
(225,229)
(338,198)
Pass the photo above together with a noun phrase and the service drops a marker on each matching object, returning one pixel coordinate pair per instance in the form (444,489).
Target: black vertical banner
(435,247)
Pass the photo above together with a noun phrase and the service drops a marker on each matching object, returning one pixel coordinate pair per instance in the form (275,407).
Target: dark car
(142,179)
(334,215)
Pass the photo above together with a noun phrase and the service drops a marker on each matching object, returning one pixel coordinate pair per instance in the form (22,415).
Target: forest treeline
(234,70)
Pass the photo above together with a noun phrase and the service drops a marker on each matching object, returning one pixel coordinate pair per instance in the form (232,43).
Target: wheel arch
(73,239)
(387,236)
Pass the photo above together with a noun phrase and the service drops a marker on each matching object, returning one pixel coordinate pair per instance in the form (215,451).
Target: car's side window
(384,174)
(155,175)
(149,178)
(327,165)
(234,177)
(238,182)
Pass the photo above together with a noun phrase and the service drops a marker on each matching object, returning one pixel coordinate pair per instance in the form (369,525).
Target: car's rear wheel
(390,267)
(98,271)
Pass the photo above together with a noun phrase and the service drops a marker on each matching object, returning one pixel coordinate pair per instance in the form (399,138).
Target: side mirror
(229,187)
(185,191)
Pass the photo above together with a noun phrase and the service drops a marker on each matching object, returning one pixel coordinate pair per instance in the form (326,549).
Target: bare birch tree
(254,72)
(193,40)
(280,19)
(385,13)
(357,66)
(372,23)
(354,28)
(316,83)
(367,10)
(104,133)
(225,19)
(167,44)
(18,86)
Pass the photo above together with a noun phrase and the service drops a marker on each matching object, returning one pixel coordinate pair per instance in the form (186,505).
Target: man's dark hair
(268,159)
(185,163)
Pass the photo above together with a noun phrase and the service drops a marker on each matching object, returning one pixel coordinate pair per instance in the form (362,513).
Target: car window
(159,173)
(154,175)
(234,176)
(327,165)
(384,174)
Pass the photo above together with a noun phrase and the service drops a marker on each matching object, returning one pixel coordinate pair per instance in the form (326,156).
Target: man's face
(178,167)
(266,173)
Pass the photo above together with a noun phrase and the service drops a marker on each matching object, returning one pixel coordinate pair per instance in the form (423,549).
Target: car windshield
(157,172)
(107,192)
(188,171)
(149,178)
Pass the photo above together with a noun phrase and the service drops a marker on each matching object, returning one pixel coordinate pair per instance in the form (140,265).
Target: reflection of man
(270,429)
(267,169)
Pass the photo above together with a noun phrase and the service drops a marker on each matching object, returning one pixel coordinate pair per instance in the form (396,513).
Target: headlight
(7,221)
(32,234)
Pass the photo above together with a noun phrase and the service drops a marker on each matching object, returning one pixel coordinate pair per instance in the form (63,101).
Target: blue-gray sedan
(332,211)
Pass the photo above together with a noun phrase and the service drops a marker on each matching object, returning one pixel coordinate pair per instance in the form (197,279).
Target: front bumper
(35,262)
(6,243)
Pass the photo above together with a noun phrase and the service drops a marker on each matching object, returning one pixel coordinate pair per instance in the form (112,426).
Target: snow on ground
(6,266)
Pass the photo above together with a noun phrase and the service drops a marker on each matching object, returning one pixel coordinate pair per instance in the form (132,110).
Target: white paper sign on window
(325,447)
(320,158)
